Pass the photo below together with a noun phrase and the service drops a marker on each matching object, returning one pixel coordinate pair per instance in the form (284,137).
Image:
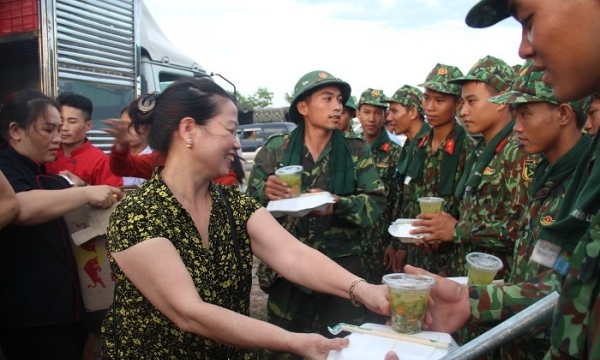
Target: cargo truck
(110,51)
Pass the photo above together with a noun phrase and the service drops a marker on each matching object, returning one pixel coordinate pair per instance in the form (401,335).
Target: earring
(189,144)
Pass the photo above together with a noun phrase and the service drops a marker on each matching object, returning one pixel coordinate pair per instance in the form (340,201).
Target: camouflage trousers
(374,269)
(434,261)
(294,309)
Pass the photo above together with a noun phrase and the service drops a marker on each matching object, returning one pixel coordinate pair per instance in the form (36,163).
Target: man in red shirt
(76,153)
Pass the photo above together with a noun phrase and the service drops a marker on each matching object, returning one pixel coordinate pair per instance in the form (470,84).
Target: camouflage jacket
(492,213)
(385,158)
(576,325)
(542,210)
(428,185)
(340,233)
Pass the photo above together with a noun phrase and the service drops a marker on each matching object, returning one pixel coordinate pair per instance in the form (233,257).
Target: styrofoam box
(371,347)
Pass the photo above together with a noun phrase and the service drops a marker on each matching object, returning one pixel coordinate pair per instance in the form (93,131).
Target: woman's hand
(374,297)
(317,347)
(102,196)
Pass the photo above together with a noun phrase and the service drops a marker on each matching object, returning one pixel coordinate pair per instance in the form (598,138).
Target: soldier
(332,162)
(493,187)
(406,111)
(348,113)
(379,247)
(439,160)
(553,129)
(561,38)
(593,117)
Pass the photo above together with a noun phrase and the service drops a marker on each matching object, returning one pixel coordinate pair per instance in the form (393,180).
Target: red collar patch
(385,147)
(449,146)
(501,145)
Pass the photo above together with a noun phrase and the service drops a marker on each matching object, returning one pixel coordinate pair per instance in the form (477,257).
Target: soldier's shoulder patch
(489,171)
(529,166)
(546,220)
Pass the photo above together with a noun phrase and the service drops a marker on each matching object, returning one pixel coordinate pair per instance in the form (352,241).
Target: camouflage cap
(492,71)
(529,87)
(487,13)
(373,97)
(409,96)
(438,79)
(310,82)
(350,103)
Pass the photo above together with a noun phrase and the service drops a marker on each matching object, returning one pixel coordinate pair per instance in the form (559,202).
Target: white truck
(110,51)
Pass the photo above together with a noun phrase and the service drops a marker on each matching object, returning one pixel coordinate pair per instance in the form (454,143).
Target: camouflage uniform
(338,235)
(386,154)
(544,201)
(492,210)
(429,180)
(576,229)
(410,97)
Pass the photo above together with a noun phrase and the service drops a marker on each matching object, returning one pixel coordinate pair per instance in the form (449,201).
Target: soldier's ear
(565,114)
(502,107)
(414,114)
(302,107)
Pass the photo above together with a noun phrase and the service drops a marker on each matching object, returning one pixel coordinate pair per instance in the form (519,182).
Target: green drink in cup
(432,205)
(482,268)
(409,294)
(292,176)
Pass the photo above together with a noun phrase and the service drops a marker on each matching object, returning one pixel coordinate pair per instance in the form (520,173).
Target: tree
(289,97)
(261,98)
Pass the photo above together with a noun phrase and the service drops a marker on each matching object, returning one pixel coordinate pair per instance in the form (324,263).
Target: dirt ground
(258,299)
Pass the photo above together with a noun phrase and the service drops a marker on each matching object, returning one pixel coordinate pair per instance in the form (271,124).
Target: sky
(380,44)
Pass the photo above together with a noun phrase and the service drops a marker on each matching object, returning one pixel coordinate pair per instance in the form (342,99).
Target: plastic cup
(409,294)
(292,176)
(431,205)
(482,268)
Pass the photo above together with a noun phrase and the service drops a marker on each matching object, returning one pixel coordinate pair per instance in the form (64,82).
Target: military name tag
(545,253)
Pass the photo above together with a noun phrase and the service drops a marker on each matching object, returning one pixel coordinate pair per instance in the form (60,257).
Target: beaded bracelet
(351,292)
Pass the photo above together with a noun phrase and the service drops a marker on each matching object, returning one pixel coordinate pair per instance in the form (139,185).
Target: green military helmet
(409,96)
(439,77)
(373,97)
(487,13)
(529,87)
(309,83)
(350,103)
(490,70)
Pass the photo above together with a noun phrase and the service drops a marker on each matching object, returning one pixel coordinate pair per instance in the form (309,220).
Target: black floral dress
(133,327)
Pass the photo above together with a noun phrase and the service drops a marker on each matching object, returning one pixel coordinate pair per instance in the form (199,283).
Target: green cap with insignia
(309,83)
(487,13)
(438,79)
(350,103)
(490,70)
(409,96)
(373,97)
(529,87)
